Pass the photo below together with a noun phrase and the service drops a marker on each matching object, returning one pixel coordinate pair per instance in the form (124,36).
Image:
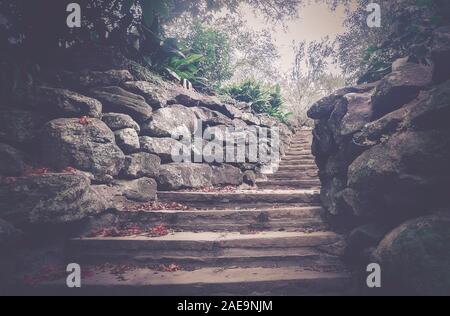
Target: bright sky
(315,22)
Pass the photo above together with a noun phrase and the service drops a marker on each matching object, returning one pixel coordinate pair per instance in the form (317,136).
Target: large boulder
(64,103)
(117,121)
(118,100)
(89,147)
(210,117)
(139,190)
(440,54)
(415,257)
(359,113)
(177,176)
(190,99)
(400,87)
(154,94)
(161,147)
(8,234)
(89,79)
(128,140)
(431,110)
(167,121)
(11,161)
(403,176)
(225,174)
(49,199)
(141,165)
(19,127)
(322,109)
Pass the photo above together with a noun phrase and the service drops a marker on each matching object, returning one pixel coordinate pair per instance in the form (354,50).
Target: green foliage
(214,46)
(187,67)
(263,98)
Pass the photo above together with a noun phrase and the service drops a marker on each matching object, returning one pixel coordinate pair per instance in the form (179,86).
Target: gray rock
(19,127)
(91,147)
(177,176)
(323,108)
(154,94)
(400,87)
(226,175)
(161,147)
(8,234)
(117,121)
(141,165)
(267,120)
(440,54)
(90,79)
(239,124)
(416,257)
(192,99)
(167,121)
(140,190)
(404,176)
(210,117)
(49,199)
(11,161)
(430,110)
(128,140)
(118,100)
(249,178)
(364,237)
(64,103)
(359,113)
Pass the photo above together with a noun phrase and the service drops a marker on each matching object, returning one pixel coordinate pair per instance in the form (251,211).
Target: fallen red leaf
(159,230)
(69,170)
(84,120)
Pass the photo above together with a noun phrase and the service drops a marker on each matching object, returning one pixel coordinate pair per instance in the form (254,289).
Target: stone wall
(78,141)
(383,150)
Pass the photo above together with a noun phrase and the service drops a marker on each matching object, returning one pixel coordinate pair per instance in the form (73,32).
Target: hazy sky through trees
(315,22)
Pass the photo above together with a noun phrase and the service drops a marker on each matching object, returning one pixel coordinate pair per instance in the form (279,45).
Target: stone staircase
(269,241)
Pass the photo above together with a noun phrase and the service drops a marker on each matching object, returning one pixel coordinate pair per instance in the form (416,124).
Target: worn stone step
(207,241)
(300,161)
(264,196)
(287,218)
(233,257)
(294,161)
(300,175)
(294,168)
(210,281)
(205,247)
(298,153)
(301,184)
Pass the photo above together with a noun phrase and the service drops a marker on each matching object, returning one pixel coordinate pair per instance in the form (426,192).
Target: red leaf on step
(84,120)
(69,170)
(159,231)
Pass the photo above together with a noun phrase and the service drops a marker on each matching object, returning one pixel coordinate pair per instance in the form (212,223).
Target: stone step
(209,281)
(187,246)
(297,156)
(295,168)
(300,184)
(251,196)
(287,219)
(233,257)
(297,161)
(299,153)
(301,175)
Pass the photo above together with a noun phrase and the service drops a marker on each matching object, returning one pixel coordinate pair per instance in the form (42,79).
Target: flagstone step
(210,281)
(242,197)
(286,218)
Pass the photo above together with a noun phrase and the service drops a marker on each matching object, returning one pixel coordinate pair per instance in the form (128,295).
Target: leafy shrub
(262,98)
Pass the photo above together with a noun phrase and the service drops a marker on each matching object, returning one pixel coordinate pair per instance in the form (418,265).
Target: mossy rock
(415,257)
